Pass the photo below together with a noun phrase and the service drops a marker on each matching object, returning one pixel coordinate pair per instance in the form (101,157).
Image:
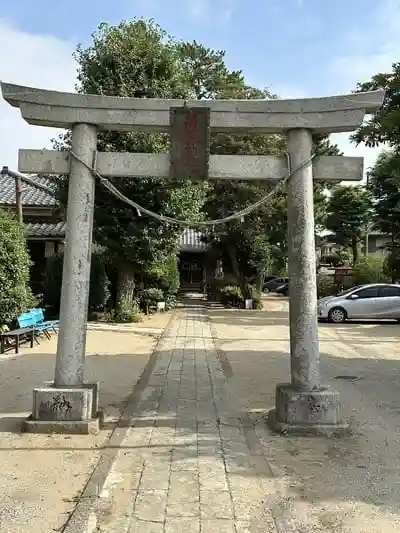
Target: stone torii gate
(303,405)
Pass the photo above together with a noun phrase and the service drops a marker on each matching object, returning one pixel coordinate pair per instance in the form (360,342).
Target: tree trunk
(236,271)
(354,250)
(125,288)
(260,280)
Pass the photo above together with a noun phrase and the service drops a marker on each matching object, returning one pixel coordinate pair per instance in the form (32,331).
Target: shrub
(214,288)
(171,302)
(330,259)
(15,293)
(392,262)
(163,275)
(325,285)
(150,297)
(255,295)
(370,269)
(125,313)
(99,283)
(231,295)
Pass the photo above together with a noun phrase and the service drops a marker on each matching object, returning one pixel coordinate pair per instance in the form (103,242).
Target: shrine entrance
(191,273)
(192,262)
(304,404)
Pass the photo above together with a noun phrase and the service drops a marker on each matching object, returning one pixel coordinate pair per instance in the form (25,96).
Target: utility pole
(18,200)
(18,191)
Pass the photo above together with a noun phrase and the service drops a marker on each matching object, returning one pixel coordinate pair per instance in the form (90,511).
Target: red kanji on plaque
(190,139)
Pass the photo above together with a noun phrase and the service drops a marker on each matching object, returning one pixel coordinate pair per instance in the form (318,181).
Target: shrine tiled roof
(191,241)
(45,229)
(31,196)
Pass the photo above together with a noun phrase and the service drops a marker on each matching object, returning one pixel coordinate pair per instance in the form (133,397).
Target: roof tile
(31,196)
(45,229)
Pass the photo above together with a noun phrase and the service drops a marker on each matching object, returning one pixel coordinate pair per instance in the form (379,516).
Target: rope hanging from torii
(207,223)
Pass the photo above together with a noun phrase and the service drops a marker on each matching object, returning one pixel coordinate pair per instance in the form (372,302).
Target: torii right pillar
(304,406)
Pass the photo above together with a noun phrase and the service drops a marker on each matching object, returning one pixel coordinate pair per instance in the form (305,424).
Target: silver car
(373,301)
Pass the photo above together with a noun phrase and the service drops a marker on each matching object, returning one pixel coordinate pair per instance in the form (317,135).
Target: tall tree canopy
(384,183)
(384,126)
(349,213)
(138,59)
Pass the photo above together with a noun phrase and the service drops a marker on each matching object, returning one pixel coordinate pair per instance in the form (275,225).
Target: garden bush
(99,284)
(214,288)
(331,259)
(325,285)
(231,295)
(125,313)
(150,297)
(255,295)
(163,275)
(370,269)
(15,294)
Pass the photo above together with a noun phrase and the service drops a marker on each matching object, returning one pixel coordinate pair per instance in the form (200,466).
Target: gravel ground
(41,475)
(346,485)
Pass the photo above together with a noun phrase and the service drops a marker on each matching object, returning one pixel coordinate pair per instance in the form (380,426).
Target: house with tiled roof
(38,207)
(46,233)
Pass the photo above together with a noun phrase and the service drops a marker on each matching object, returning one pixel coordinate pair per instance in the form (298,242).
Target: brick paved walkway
(187,464)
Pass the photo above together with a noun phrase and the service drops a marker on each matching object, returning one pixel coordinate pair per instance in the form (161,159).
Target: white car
(373,301)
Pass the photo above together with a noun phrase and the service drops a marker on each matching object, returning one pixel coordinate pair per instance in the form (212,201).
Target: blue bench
(29,320)
(45,325)
(31,325)
(26,332)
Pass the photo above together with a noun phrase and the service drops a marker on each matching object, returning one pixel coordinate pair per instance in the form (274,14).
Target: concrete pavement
(187,464)
(200,458)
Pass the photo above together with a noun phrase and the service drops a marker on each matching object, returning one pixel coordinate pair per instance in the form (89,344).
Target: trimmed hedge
(15,294)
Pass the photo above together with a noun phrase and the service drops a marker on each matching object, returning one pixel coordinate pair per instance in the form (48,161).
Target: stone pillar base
(306,412)
(68,410)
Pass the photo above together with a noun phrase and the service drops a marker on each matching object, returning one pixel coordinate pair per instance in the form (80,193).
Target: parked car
(283,289)
(372,301)
(273,284)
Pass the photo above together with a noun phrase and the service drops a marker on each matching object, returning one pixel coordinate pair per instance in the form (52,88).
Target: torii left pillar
(69,405)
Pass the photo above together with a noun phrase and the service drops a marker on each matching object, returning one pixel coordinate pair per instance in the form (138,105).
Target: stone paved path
(186,465)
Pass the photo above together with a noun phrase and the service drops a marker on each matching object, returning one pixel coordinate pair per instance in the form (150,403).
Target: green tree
(139,59)
(348,215)
(384,126)
(370,269)
(259,241)
(384,183)
(252,244)
(136,59)
(15,293)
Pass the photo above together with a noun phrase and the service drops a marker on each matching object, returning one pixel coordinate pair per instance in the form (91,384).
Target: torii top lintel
(321,115)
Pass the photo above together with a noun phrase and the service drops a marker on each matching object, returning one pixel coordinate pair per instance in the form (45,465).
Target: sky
(295,48)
